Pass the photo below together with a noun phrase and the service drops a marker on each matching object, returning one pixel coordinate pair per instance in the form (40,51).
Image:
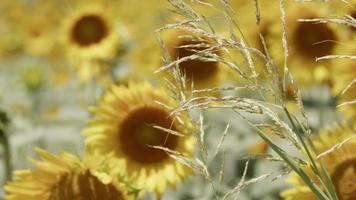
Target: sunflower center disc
(196,70)
(89,30)
(83,186)
(314,40)
(344,180)
(137,135)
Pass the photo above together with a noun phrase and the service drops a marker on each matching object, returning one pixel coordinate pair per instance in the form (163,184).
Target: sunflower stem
(6,154)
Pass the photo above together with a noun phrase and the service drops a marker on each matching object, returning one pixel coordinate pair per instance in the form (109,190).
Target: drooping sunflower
(91,34)
(123,126)
(62,177)
(340,164)
(306,42)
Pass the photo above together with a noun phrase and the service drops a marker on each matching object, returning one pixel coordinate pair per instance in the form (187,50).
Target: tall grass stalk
(270,102)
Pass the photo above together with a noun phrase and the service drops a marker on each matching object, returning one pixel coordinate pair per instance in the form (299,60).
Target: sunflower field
(178,99)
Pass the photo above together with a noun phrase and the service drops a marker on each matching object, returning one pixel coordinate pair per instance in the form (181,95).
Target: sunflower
(340,163)
(91,37)
(123,127)
(180,44)
(344,71)
(306,42)
(62,177)
(36,33)
(39,30)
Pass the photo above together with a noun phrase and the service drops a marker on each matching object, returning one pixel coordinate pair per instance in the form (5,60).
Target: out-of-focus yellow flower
(122,126)
(344,72)
(180,44)
(39,31)
(306,42)
(340,163)
(37,34)
(91,34)
(62,177)
(33,78)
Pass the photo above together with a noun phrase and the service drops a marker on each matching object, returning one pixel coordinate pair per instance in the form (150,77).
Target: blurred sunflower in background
(91,37)
(181,44)
(63,177)
(202,73)
(340,162)
(344,71)
(126,124)
(39,31)
(306,42)
(36,35)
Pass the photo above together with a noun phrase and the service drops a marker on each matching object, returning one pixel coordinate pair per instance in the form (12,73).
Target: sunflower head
(306,42)
(340,163)
(182,44)
(60,178)
(128,123)
(306,37)
(89,33)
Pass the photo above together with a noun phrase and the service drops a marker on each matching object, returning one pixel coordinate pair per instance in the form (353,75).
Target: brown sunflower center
(137,135)
(83,186)
(88,30)
(196,70)
(344,179)
(313,40)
